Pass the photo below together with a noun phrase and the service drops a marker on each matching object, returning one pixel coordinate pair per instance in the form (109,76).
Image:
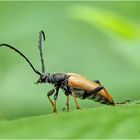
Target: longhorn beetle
(72,84)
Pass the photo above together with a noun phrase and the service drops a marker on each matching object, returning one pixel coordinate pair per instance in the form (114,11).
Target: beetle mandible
(71,83)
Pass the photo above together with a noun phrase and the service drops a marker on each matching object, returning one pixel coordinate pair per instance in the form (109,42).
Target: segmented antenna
(9,46)
(41,35)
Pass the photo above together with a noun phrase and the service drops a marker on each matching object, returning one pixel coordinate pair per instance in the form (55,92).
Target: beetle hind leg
(93,92)
(106,92)
(97,81)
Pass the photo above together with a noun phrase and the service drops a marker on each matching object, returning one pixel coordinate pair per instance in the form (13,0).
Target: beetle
(72,84)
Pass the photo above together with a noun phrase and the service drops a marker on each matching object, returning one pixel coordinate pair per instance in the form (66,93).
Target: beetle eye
(43,78)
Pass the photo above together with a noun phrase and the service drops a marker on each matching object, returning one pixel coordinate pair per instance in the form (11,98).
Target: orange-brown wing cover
(80,82)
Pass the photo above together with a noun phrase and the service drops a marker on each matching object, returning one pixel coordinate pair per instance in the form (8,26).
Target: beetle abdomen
(98,98)
(94,97)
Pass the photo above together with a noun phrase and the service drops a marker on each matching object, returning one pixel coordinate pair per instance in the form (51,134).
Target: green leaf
(101,122)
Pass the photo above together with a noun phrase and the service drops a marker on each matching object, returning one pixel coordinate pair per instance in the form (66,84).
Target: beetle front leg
(51,92)
(77,105)
(55,98)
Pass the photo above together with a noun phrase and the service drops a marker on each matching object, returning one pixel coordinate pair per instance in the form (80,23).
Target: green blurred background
(99,40)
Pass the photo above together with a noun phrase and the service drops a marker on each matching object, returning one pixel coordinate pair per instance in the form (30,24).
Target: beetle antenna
(9,46)
(41,35)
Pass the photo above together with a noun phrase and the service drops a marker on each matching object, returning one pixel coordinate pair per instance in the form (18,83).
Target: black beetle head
(43,79)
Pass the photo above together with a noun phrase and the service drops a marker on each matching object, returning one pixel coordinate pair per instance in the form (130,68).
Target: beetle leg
(67,103)
(55,98)
(51,92)
(54,110)
(77,105)
(97,81)
(106,92)
(94,91)
(120,103)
